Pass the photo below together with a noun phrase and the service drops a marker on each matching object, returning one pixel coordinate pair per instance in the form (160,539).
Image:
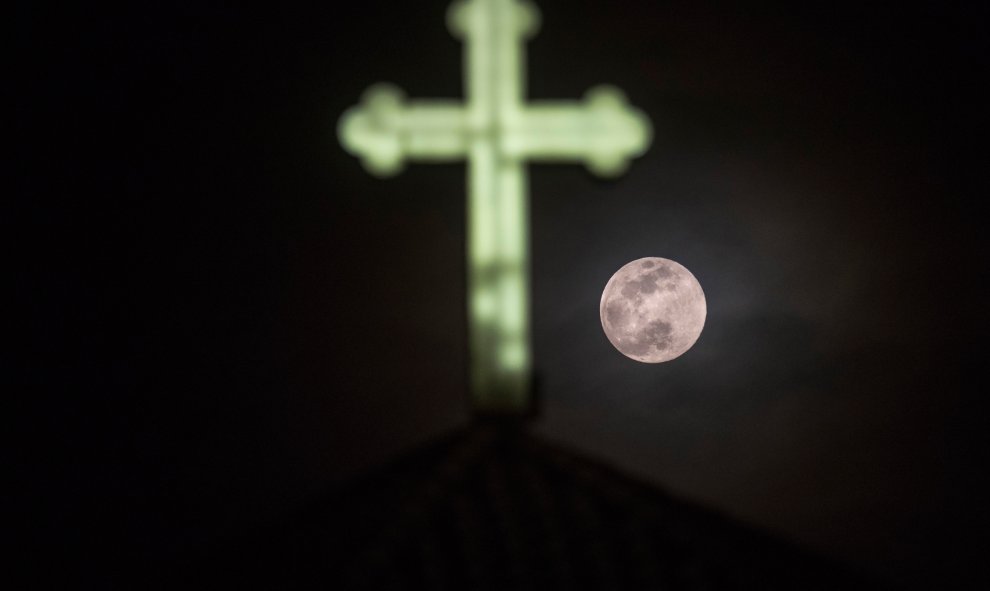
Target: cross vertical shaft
(496,132)
(498,273)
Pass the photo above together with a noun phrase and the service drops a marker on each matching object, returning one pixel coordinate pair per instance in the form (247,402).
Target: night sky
(220,315)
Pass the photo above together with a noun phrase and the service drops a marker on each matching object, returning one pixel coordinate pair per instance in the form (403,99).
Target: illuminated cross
(497,133)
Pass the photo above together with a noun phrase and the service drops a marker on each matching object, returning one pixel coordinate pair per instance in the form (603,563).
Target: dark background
(225,316)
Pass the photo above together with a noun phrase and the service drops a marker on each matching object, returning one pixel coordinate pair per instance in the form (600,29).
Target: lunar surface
(653,310)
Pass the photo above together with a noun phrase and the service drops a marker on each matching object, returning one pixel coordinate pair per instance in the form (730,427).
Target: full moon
(653,310)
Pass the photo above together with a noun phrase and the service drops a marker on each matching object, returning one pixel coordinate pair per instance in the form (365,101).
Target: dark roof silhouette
(494,507)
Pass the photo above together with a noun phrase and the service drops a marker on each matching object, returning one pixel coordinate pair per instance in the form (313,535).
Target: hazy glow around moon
(653,310)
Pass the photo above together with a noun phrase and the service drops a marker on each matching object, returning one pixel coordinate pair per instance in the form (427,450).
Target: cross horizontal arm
(385,130)
(603,132)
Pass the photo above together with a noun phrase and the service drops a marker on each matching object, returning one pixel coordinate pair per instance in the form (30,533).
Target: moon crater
(653,310)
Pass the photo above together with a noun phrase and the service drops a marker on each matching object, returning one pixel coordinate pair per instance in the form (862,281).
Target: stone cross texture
(497,133)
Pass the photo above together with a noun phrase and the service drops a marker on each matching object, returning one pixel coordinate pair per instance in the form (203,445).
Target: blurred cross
(497,132)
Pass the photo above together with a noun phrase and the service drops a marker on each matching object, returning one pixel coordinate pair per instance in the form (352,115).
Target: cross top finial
(465,16)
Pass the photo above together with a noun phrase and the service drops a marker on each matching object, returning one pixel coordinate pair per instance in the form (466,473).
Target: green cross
(497,132)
